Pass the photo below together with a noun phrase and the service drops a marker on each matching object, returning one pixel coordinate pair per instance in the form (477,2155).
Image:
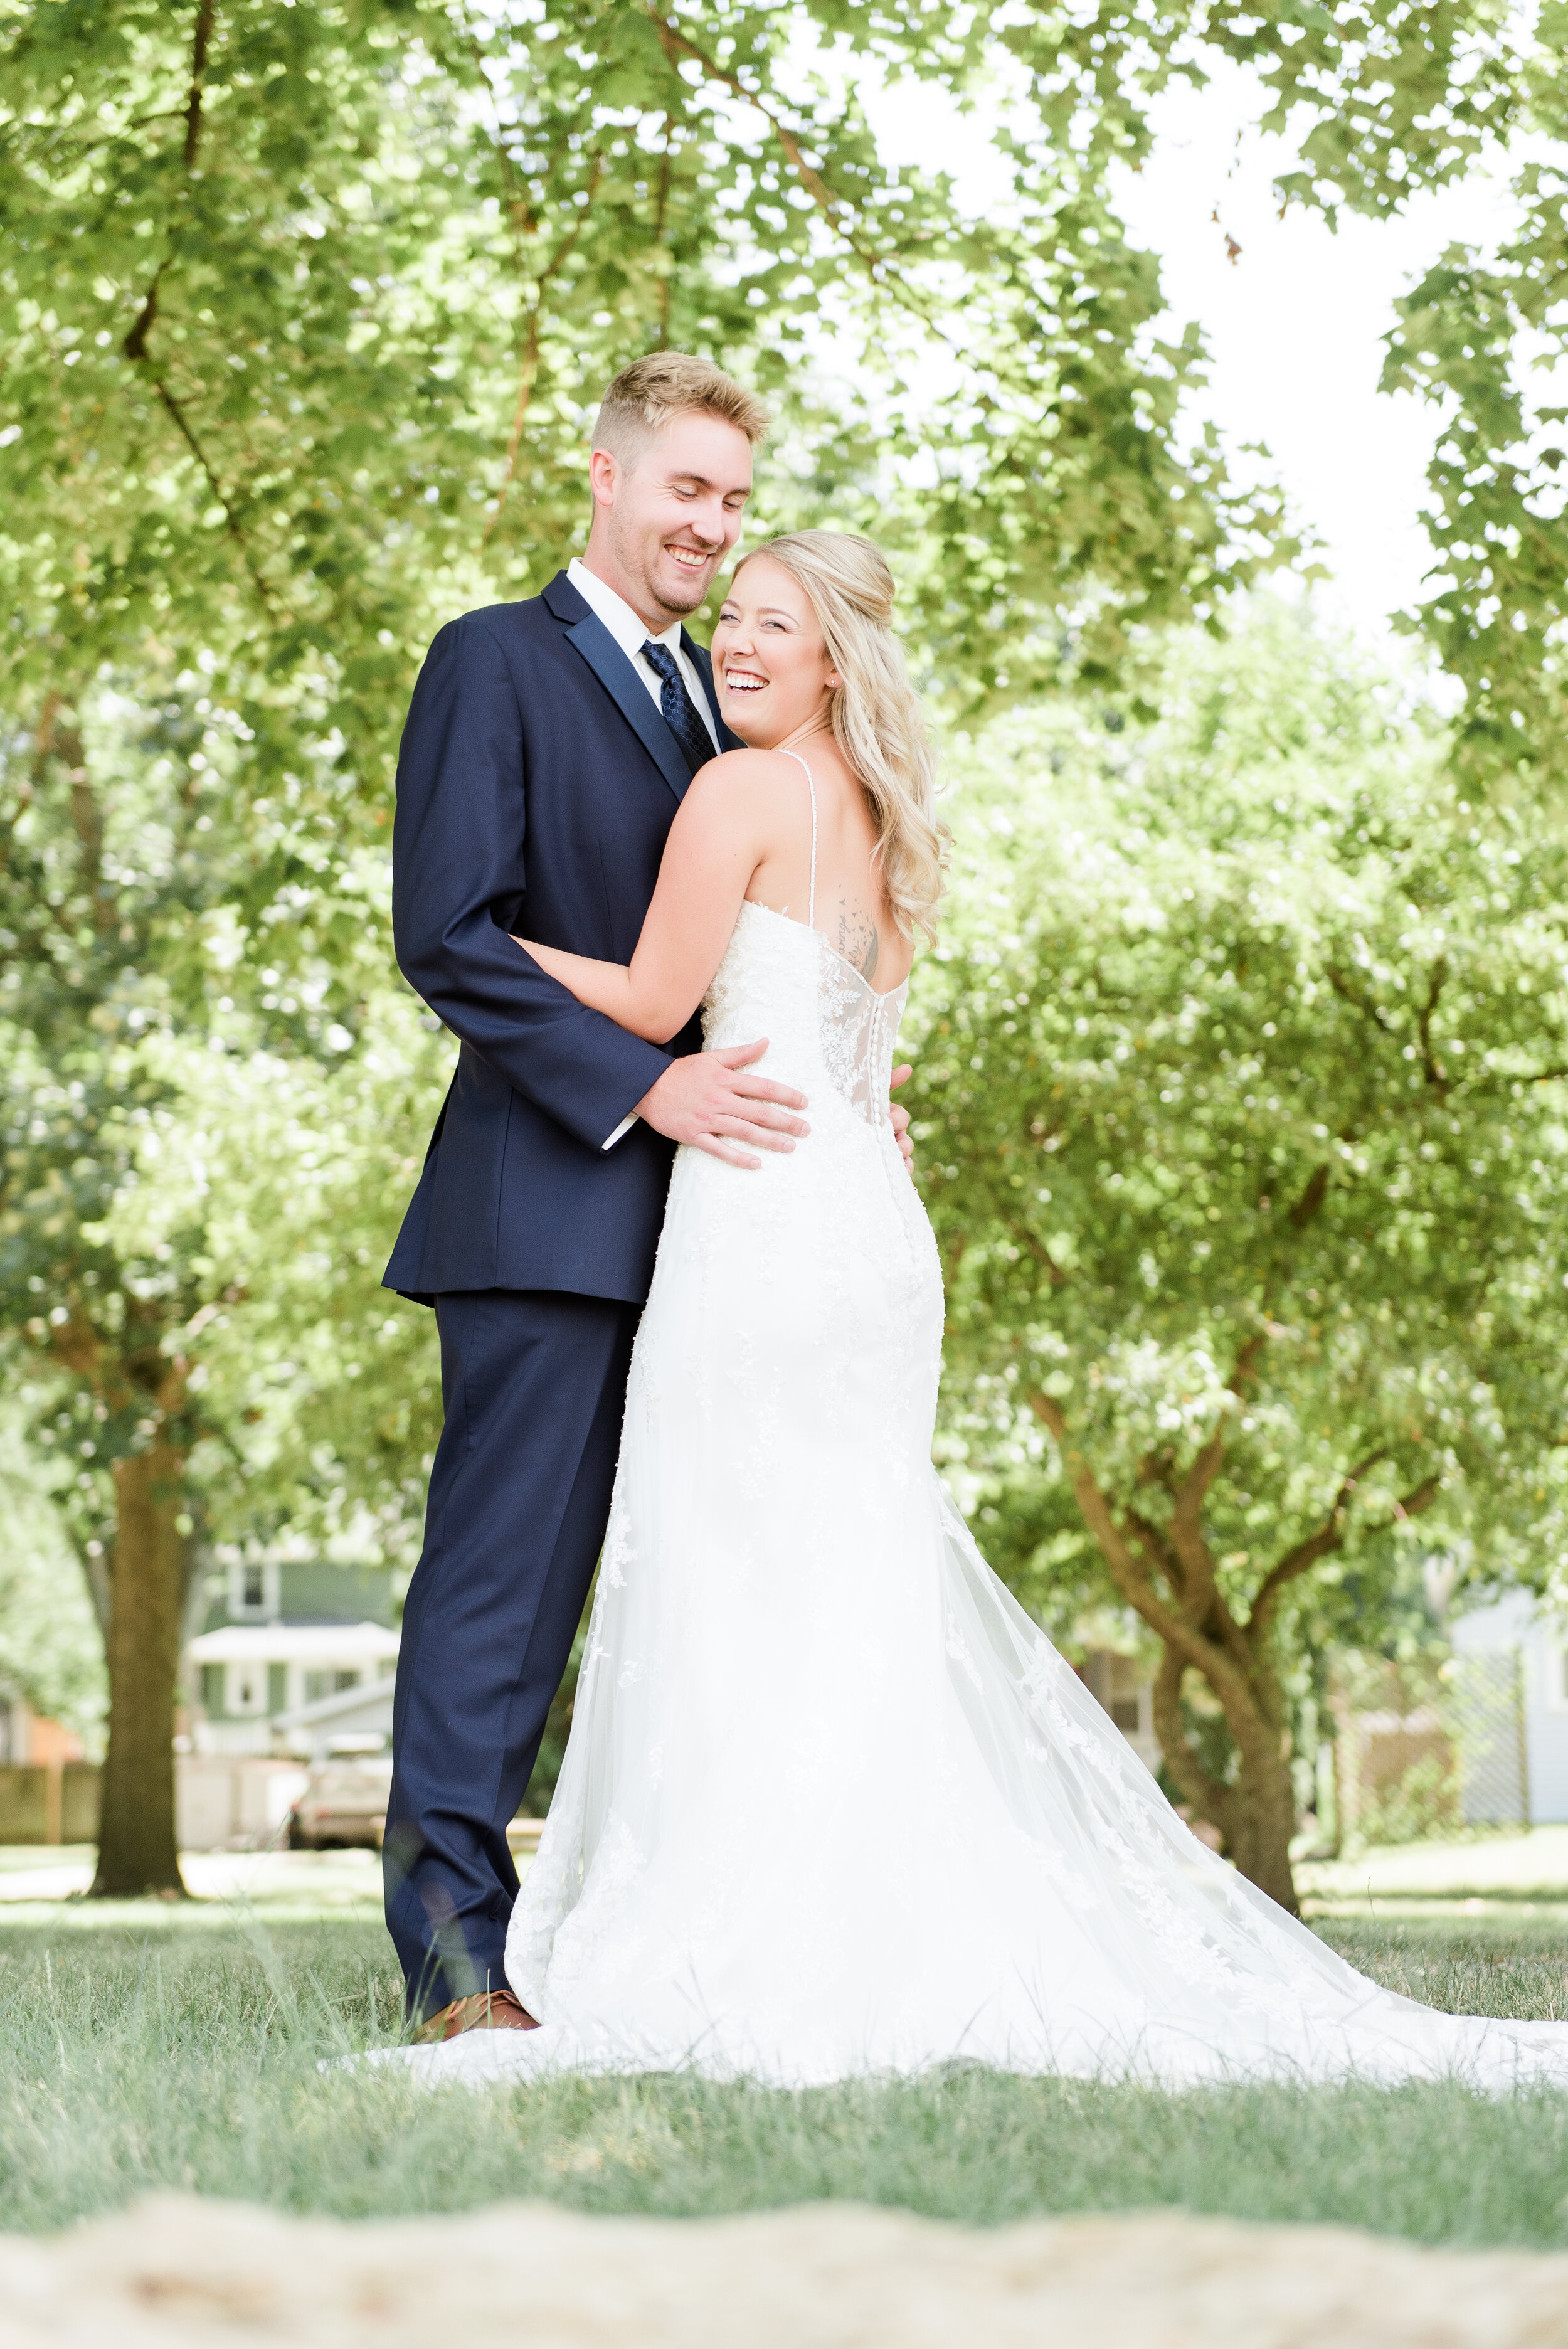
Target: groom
(547,749)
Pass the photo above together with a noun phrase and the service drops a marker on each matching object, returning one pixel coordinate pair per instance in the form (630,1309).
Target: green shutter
(212,1690)
(277,1688)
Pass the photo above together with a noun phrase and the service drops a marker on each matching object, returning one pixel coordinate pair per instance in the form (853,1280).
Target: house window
(252,1591)
(248,1687)
(1114,1681)
(328,1683)
(1557,1678)
(1123,1706)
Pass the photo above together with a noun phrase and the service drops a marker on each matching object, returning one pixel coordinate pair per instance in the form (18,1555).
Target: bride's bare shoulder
(741,787)
(742,770)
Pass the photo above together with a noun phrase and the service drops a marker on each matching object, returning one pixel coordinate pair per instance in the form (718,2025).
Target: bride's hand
(900,1116)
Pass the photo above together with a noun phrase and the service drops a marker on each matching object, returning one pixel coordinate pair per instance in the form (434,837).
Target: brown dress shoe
(485,2010)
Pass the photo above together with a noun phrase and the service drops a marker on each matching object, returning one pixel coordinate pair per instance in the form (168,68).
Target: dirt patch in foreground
(182,2273)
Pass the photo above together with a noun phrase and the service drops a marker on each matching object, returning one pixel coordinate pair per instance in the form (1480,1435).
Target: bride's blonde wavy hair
(877,718)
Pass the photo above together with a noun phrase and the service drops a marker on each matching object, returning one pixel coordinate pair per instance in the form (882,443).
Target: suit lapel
(593,640)
(589,637)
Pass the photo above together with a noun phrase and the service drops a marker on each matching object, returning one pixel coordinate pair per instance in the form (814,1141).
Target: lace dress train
(832,1803)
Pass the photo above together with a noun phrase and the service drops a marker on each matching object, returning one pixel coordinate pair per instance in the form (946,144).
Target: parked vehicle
(343,1803)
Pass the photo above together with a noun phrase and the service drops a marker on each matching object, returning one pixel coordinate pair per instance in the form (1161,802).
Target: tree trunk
(1261,1824)
(1255,1811)
(1166,1570)
(137,1851)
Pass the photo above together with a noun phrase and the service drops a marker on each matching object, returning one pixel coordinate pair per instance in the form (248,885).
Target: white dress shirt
(631,635)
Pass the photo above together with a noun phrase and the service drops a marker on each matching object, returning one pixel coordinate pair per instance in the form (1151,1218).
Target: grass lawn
(149,2046)
(1517,1872)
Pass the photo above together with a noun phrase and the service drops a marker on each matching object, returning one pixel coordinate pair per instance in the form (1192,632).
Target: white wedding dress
(832,1803)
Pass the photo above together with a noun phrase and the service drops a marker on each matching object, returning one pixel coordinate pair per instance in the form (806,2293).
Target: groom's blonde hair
(877,718)
(653,391)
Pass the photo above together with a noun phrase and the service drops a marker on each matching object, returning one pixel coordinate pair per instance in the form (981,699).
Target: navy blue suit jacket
(536,784)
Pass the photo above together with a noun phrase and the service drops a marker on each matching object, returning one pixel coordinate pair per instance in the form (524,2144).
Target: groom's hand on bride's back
(713,1100)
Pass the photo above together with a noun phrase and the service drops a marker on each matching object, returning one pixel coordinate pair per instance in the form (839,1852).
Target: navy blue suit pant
(533,1384)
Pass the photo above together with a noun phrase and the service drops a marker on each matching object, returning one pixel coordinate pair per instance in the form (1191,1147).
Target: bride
(832,1803)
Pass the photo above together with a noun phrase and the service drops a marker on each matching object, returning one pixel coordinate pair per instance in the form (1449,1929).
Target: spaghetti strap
(811,787)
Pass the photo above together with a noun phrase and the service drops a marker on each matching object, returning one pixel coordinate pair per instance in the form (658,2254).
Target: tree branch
(77,1344)
(529,373)
(666,277)
(1311,1199)
(1436,1075)
(1227,1677)
(87,819)
(841,216)
(1193,1490)
(1202,1602)
(1197,1786)
(205,10)
(1156,1549)
(51,740)
(1342,987)
(1330,1535)
(232,522)
(1043,1257)
(134,345)
(43,743)
(517,195)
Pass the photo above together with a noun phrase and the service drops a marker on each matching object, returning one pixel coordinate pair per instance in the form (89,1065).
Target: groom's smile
(694,564)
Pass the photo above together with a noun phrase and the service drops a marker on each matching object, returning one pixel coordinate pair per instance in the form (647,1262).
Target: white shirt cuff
(625,1127)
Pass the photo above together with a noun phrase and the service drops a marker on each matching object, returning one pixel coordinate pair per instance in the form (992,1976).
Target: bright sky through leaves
(1294,323)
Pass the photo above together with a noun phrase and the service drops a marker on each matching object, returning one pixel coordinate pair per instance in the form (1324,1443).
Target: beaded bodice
(781,979)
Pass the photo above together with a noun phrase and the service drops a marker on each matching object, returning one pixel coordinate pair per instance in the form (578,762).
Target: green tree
(50,1643)
(162,1088)
(301,310)
(1380,101)
(1241,1115)
(1483,338)
(303,306)
(300,307)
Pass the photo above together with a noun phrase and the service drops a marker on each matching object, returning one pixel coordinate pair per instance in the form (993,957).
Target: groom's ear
(604,470)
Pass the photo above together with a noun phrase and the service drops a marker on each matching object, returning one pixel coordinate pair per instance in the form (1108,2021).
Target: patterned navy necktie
(680,712)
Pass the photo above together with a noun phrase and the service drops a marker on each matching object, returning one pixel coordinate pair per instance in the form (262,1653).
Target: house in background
(294,1654)
(31,1739)
(48,1793)
(1510,1696)
(16,1720)
(1121,1686)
